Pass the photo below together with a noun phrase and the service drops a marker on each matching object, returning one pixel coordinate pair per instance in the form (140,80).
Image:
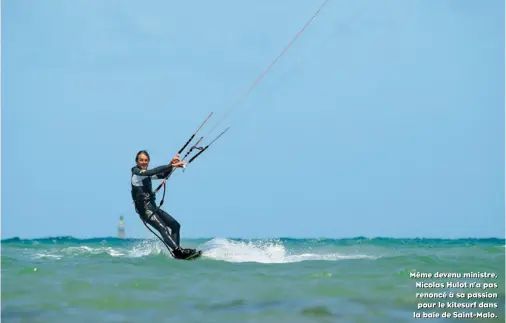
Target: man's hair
(141,152)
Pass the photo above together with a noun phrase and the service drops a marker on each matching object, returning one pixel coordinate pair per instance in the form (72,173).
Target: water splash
(147,248)
(139,249)
(265,251)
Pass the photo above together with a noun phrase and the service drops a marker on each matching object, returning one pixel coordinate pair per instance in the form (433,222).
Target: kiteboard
(196,255)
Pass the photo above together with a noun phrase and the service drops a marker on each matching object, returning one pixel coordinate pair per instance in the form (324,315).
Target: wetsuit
(145,204)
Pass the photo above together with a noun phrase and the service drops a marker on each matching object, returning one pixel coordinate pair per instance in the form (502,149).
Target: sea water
(63,279)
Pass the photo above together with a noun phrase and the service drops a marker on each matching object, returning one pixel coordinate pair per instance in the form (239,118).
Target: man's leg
(175,227)
(169,221)
(156,222)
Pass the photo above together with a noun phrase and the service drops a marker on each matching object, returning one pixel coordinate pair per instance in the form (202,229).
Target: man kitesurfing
(145,201)
(145,198)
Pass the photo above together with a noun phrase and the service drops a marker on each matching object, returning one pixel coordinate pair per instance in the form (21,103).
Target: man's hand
(175,159)
(175,162)
(181,164)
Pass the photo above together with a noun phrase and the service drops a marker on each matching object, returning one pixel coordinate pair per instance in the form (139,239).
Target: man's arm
(160,170)
(174,163)
(163,175)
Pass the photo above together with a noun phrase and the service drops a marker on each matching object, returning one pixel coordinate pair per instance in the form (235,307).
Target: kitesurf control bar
(193,147)
(201,150)
(193,136)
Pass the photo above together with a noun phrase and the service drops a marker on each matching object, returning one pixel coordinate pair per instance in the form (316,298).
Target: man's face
(143,161)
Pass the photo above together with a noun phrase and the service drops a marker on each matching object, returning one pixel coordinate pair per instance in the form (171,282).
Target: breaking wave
(221,249)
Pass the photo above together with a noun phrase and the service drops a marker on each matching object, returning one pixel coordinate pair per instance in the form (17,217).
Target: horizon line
(264,237)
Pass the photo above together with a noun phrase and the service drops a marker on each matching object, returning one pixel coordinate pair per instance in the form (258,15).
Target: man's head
(142,159)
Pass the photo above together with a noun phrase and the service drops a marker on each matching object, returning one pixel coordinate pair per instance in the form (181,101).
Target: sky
(385,118)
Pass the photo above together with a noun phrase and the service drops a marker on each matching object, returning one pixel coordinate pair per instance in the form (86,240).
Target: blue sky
(385,118)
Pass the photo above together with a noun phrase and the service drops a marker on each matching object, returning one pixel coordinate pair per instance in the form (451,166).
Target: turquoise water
(279,280)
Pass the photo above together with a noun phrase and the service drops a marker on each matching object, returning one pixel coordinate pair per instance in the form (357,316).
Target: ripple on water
(319,311)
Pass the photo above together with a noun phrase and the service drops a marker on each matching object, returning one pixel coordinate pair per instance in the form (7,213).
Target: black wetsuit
(145,203)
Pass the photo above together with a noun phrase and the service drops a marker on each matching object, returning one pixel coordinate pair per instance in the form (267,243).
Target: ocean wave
(140,249)
(222,249)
